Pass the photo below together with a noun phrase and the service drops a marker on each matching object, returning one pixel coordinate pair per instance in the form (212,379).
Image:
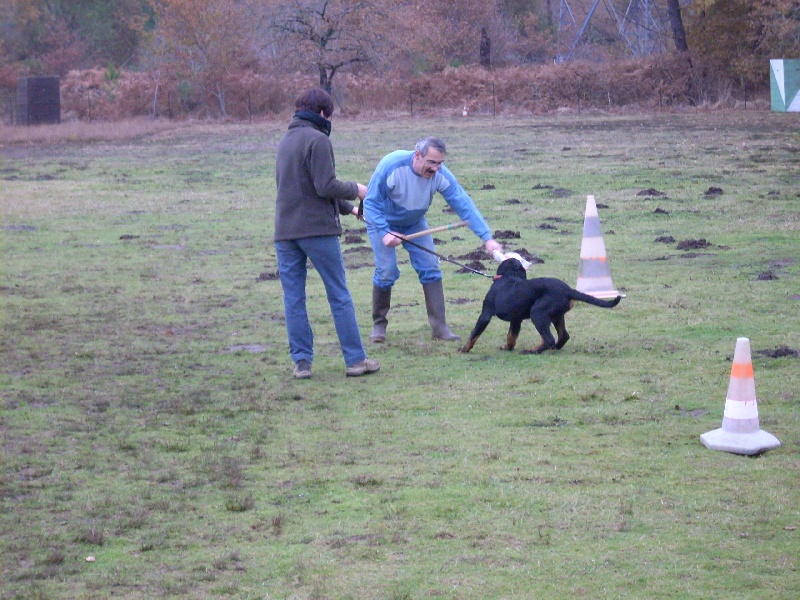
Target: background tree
(676,24)
(328,34)
(736,38)
(54,36)
(206,42)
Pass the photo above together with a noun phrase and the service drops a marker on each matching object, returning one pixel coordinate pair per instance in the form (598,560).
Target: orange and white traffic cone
(594,274)
(740,432)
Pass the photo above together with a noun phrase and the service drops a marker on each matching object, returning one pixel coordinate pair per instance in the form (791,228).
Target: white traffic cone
(740,432)
(594,274)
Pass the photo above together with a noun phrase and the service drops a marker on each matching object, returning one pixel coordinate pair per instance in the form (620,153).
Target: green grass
(149,417)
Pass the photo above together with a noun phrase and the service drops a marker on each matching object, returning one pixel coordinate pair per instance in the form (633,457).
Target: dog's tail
(576,295)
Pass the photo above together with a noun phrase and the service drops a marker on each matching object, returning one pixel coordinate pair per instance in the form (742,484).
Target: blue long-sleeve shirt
(398,197)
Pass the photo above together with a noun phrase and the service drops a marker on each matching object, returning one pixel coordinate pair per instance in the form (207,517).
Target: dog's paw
(537,350)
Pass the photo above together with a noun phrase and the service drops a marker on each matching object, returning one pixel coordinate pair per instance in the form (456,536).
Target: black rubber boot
(381,301)
(434,304)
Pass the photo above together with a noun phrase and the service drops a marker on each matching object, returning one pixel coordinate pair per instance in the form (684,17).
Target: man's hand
(362,191)
(390,240)
(491,245)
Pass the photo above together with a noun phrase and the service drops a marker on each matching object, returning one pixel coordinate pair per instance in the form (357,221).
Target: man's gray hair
(427,143)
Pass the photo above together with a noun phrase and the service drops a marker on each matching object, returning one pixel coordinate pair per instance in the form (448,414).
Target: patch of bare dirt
(712,192)
(693,244)
(358,250)
(478,254)
(506,234)
(650,192)
(779,352)
(767,276)
(458,301)
(475,265)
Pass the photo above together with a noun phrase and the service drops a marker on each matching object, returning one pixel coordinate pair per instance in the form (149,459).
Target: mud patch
(650,192)
(478,254)
(354,239)
(664,239)
(266,276)
(779,352)
(785,262)
(488,186)
(713,192)
(660,211)
(696,254)
(475,265)
(693,244)
(506,234)
(358,250)
(458,301)
(561,193)
(767,276)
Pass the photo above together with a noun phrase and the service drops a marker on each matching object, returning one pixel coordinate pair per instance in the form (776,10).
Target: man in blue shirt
(399,195)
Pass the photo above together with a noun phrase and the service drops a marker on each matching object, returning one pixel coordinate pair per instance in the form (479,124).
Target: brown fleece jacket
(310,197)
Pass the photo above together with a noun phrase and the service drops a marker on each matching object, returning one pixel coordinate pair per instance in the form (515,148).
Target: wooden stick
(434,230)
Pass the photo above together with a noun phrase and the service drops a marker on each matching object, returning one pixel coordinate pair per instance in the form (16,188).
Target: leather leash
(436,254)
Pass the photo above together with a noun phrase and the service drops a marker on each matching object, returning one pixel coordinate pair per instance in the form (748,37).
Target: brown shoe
(302,369)
(365,367)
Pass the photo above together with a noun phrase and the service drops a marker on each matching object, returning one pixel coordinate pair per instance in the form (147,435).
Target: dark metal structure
(38,101)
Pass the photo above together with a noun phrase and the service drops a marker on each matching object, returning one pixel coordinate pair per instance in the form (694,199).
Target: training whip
(407,240)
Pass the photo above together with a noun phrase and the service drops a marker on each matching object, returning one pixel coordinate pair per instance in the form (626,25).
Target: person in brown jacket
(309,201)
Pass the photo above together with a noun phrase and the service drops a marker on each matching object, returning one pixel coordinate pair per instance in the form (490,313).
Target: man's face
(427,166)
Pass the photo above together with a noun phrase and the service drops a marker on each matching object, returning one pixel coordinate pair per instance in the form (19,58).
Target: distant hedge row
(663,81)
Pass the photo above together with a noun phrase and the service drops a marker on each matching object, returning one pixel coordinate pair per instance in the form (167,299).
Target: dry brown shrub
(662,81)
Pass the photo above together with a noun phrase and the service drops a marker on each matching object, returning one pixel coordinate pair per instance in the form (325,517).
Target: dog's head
(511,267)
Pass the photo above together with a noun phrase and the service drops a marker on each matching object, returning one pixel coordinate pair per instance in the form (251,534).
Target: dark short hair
(425,144)
(315,100)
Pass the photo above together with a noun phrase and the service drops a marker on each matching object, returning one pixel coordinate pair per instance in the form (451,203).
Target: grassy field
(150,421)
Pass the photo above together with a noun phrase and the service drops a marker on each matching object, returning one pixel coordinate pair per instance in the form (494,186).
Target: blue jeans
(386,270)
(326,256)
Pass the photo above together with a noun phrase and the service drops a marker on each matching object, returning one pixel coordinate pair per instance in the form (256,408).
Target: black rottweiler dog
(544,300)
